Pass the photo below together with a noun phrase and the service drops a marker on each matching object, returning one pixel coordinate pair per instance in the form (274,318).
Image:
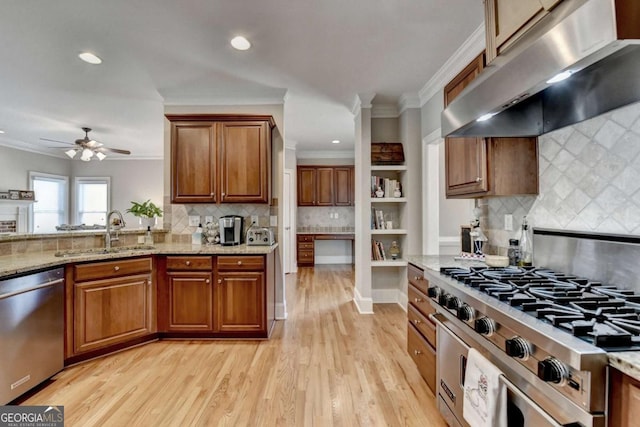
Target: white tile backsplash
(589,181)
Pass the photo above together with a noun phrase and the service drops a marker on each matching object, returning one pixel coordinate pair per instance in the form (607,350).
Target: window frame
(77,182)
(65,213)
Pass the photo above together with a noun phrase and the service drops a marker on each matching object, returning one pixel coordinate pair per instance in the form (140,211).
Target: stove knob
(434,292)
(553,371)
(453,303)
(518,347)
(466,313)
(443,299)
(485,326)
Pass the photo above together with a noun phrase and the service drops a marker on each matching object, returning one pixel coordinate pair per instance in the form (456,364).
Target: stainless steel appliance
(31,331)
(231,230)
(260,236)
(548,330)
(595,41)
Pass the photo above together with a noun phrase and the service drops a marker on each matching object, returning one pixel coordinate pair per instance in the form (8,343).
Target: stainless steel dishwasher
(31,331)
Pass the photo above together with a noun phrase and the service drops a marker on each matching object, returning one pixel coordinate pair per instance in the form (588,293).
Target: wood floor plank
(326,365)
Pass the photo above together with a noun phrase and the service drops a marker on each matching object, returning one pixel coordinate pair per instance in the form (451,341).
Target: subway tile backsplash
(589,181)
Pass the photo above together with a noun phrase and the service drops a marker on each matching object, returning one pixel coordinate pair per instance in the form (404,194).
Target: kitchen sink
(102,251)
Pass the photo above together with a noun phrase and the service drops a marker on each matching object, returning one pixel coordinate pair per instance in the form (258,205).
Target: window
(92,200)
(52,204)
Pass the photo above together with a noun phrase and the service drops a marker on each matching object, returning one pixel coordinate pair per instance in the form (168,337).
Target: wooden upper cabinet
(477,167)
(325,185)
(343,186)
(507,20)
(193,163)
(220,158)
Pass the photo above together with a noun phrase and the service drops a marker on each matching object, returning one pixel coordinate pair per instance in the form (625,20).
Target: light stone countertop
(627,362)
(26,262)
(325,230)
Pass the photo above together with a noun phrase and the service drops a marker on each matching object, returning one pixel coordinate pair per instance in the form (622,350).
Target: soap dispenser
(196,236)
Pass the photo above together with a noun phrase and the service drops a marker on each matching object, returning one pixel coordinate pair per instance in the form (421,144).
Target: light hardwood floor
(326,365)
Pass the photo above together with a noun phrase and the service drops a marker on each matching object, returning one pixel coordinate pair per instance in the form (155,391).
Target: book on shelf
(377,219)
(377,251)
(387,185)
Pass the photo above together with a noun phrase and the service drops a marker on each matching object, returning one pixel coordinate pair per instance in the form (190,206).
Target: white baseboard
(281,311)
(333,259)
(390,296)
(364,305)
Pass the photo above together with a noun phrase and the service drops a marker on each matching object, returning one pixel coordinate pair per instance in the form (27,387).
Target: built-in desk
(306,244)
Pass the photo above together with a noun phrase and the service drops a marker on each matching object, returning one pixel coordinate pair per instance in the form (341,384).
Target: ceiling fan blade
(55,140)
(113,150)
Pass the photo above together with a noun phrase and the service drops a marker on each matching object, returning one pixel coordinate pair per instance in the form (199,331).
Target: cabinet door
(306,186)
(466,166)
(240,302)
(112,311)
(190,301)
(193,162)
(324,187)
(624,400)
(343,186)
(245,151)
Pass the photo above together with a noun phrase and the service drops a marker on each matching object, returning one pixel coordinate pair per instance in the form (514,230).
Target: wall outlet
(255,219)
(273,221)
(140,239)
(194,220)
(508,222)
(208,219)
(335,215)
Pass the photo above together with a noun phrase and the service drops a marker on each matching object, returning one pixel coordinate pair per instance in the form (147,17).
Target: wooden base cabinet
(117,308)
(190,301)
(624,400)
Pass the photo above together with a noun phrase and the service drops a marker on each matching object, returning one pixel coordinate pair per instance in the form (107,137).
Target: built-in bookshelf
(387,206)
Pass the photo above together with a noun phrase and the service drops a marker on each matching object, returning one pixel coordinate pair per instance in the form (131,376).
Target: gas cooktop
(600,314)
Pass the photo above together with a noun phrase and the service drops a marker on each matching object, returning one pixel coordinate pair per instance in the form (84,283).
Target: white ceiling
(320,53)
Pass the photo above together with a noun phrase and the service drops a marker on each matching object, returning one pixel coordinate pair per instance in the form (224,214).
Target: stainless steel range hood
(581,36)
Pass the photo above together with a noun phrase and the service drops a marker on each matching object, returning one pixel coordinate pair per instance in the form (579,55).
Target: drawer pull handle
(417,300)
(219,280)
(213,194)
(417,352)
(478,179)
(207,281)
(148,282)
(116,268)
(416,278)
(239,262)
(188,263)
(416,321)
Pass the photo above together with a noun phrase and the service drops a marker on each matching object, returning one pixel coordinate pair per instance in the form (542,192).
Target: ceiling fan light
(101,156)
(71,153)
(87,154)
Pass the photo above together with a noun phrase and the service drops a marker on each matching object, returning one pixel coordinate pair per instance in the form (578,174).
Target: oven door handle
(515,390)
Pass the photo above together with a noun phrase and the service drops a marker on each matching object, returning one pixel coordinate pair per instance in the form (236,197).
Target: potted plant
(146,212)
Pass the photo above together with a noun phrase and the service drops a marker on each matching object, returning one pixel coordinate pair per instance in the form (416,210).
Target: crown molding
(311,154)
(408,100)
(290,145)
(186,102)
(362,100)
(384,111)
(460,58)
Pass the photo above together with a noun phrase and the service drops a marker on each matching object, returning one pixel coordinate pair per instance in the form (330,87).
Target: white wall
(16,164)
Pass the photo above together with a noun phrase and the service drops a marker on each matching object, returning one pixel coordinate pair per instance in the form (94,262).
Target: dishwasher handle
(31,288)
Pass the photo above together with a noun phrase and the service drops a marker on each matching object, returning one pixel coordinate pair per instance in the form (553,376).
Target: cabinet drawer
(423,355)
(305,245)
(305,255)
(422,324)
(188,263)
(420,301)
(238,263)
(108,269)
(416,278)
(305,238)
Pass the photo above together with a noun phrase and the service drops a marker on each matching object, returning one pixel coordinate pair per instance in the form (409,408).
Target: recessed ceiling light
(240,43)
(335,141)
(1,131)
(90,58)
(560,77)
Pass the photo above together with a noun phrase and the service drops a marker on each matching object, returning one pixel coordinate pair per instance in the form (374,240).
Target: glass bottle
(526,248)
(514,251)
(394,250)
(148,237)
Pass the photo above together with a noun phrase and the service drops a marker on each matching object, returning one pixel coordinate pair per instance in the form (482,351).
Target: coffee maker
(231,230)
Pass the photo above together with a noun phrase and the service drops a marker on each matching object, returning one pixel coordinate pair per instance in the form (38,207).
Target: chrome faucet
(107,237)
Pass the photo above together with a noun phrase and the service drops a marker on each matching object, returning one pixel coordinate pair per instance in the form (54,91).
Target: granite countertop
(627,362)
(26,262)
(72,233)
(325,232)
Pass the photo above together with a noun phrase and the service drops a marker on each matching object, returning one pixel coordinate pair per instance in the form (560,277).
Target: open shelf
(392,168)
(17,202)
(393,231)
(388,200)
(389,263)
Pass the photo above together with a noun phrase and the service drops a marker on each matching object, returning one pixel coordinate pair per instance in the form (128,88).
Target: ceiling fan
(88,148)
